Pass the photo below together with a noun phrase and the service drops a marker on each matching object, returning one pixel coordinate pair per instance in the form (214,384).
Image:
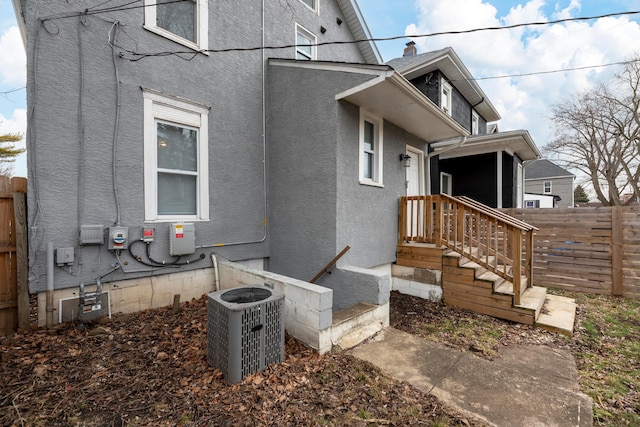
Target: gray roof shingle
(543,168)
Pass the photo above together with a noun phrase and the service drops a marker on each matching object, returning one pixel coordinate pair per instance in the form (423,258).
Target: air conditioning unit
(245,331)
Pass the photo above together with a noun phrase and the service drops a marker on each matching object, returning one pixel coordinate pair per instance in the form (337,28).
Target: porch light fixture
(405,159)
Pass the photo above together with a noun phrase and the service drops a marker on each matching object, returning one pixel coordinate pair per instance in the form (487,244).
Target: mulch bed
(150,368)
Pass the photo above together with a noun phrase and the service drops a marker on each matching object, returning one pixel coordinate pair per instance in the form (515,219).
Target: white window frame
(180,112)
(448,191)
(315,6)
(378,152)
(201,23)
(544,187)
(529,204)
(475,123)
(446,88)
(312,38)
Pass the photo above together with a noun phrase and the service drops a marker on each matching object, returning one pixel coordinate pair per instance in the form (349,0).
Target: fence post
(617,237)
(516,258)
(20,216)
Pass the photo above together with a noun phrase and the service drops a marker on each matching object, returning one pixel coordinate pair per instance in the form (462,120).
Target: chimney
(410,50)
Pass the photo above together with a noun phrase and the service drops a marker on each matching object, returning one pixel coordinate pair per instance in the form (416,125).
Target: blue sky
(523,102)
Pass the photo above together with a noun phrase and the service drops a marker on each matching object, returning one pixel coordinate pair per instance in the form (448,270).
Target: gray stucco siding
(302,135)
(71,181)
(368,215)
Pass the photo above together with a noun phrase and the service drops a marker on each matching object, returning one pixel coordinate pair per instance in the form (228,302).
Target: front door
(415,172)
(415,187)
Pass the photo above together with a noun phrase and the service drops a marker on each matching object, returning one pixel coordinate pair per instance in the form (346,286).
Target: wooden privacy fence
(593,250)
(14,293)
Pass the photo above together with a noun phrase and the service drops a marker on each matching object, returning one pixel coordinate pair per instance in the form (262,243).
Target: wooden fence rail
(14,293)
(593,250)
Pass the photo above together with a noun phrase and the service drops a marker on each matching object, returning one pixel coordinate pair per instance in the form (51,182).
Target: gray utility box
(245,330)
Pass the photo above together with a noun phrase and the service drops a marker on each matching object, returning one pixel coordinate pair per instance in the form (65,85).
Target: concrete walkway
(528,386)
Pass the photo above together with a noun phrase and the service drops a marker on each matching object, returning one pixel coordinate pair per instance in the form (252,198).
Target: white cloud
(13,61)
(17,123)
(525,102)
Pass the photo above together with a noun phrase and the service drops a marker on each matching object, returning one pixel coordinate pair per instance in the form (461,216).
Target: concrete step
(534,298)
(558,314)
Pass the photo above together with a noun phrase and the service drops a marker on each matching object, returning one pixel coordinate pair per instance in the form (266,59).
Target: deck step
(558,314)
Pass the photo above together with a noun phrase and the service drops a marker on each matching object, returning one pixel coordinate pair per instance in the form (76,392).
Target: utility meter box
(182,239)
(118,238)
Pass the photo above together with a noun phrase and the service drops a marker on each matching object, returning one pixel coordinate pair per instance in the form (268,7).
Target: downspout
(460,143)
(49,307)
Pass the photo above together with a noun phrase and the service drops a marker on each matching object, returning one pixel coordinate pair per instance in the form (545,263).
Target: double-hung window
(312,4)
(175,159)
(475,119)
(185,22)
(446,93)
(546,187)
(370,149)
(305,44)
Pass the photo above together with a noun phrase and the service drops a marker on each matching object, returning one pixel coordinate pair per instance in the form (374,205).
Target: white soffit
(513,142)
(393,98)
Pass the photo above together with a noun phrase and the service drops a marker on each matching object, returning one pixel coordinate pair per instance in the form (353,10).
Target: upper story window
(312,4)
(446,93)
(185,22)
(175,159)
(547,187)
(370,149)
(305,44)
(475,120)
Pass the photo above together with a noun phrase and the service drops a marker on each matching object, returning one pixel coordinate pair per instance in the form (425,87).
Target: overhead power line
(6,92)
(560,70)
(191,54)
(380,39)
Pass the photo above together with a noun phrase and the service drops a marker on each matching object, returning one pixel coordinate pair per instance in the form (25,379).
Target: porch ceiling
(513,142)
(393,98)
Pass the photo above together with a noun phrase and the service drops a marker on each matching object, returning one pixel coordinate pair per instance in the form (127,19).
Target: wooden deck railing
(496,241)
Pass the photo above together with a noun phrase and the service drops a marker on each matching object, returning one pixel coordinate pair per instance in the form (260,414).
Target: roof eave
(395,99)
(360,30)
(514,142)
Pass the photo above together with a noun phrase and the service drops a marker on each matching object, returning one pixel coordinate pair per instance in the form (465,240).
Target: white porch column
(499,180)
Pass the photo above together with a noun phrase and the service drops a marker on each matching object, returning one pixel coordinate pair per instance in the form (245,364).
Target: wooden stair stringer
(468,285)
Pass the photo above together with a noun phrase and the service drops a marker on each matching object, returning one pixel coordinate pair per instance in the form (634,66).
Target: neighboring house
(150,150)
(484,164)
(545,178)
(539,201)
